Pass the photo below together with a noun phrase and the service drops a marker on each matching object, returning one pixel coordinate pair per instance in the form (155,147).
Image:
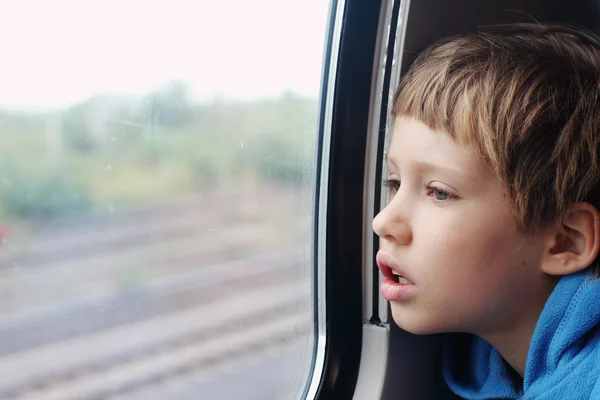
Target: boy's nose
(391,225)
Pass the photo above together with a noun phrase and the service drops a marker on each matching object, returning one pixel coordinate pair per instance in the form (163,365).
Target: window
(157,178)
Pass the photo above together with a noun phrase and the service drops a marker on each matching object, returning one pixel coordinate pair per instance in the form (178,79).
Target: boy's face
(449,230)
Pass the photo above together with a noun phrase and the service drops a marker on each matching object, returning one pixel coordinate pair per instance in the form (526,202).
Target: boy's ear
(573,243)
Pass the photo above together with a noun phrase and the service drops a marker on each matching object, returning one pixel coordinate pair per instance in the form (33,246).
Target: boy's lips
(387,265)
(394,288)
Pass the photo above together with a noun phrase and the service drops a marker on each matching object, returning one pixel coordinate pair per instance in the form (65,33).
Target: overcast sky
(58,52)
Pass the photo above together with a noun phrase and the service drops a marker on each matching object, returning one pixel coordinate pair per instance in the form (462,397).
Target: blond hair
(527,96)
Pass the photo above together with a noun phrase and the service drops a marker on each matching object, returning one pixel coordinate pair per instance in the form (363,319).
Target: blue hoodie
(563,361)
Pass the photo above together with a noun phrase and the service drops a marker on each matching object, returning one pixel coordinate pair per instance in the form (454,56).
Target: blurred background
(157,165)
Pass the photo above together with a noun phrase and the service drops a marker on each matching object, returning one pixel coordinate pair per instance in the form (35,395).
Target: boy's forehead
(415,144)
(417,138)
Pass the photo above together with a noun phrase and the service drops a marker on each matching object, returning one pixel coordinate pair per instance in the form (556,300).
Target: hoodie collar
(473,369)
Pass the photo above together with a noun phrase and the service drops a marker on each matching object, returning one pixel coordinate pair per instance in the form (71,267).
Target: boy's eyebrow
(454,172)
(428,166)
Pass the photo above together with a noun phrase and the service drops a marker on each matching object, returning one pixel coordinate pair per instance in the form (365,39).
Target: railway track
(219,287)
(134,355)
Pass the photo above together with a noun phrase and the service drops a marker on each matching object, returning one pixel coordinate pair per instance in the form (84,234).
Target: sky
(56,53)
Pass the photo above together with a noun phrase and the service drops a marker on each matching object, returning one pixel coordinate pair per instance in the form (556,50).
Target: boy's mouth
(396,286)
(399,278)
(390,269)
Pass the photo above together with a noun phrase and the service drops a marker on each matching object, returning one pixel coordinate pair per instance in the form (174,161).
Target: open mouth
(389,268)
(399,278)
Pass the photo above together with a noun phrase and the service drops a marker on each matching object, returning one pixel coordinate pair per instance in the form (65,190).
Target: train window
(157,181)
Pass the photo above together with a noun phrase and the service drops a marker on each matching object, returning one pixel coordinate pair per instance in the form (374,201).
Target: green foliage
(274,138)
(27,193)
(110,149)
(76,130)
(281,158)
(168,106)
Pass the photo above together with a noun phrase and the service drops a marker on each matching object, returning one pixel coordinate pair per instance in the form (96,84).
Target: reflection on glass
(156,189)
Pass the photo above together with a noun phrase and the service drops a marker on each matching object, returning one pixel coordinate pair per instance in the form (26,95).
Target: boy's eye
(440,194)
(393,184)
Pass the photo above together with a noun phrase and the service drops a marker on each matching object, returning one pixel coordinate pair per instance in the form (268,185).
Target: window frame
(339,210)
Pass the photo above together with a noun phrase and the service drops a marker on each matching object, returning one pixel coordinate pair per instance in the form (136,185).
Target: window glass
(157,164)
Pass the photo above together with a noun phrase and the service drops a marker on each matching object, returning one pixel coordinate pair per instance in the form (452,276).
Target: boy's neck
(514,349)
(513,342)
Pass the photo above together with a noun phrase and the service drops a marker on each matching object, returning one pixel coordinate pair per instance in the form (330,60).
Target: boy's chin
(415,323)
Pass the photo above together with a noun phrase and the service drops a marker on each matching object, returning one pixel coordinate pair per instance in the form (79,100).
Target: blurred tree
(169,106)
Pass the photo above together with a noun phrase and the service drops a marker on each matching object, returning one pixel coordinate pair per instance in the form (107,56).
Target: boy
(492,227)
